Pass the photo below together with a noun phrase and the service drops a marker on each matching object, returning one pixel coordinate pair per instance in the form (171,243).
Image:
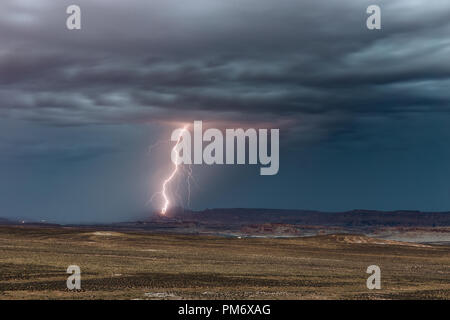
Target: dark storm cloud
(310,64)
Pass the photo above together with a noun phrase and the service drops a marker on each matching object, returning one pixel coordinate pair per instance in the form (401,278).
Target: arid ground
(140,265)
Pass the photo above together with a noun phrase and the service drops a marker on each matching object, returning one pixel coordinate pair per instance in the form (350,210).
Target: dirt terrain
(144,265)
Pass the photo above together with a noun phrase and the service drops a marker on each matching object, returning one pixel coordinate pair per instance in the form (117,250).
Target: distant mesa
(5,221)
(353,218)
(278,220)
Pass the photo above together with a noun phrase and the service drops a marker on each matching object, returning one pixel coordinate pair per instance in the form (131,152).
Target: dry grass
(131,265)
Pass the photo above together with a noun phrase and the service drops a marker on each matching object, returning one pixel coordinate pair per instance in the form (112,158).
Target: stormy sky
(363,114)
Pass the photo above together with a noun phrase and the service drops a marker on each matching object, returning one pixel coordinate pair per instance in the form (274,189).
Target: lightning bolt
(175,171)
